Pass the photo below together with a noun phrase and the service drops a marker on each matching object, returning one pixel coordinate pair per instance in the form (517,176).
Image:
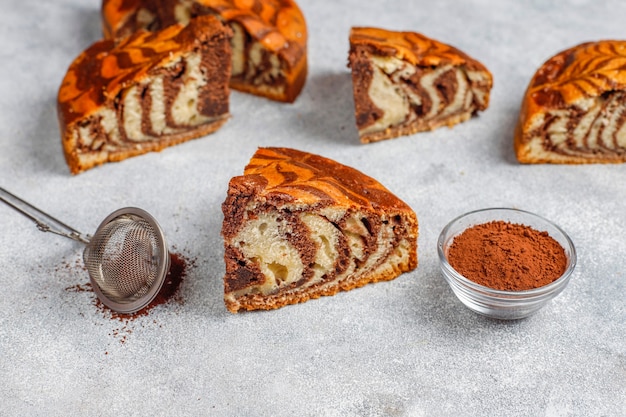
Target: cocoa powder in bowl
(507,256)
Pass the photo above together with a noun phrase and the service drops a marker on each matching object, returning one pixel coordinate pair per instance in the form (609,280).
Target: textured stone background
(403,348)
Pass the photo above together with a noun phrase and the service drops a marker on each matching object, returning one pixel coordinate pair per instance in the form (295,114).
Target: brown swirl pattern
(404,82)
(413,47)
(147,92)
(313,180)
(269,43)
(573,110)
(299,226)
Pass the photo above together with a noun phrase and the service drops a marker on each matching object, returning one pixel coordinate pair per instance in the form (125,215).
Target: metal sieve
(127,257)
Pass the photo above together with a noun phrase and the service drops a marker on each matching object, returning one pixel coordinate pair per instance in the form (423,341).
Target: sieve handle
(44,221)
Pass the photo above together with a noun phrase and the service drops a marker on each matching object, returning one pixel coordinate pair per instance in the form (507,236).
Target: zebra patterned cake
(574,109)
(269,40)
(404,82)
(151,91)
(299,226)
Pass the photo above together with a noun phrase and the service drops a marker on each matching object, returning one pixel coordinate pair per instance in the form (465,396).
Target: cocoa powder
(507,256)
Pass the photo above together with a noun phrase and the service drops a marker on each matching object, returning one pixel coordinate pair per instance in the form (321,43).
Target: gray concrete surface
(402,348)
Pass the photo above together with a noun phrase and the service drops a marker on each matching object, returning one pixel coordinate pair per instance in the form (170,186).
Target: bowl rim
(500,294)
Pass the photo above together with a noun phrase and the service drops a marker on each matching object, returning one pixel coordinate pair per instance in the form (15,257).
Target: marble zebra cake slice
(269,40)
(298,226)
(574,108)
(150,91)
(404,82)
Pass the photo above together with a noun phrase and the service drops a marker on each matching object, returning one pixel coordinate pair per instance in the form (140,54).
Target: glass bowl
(498,304)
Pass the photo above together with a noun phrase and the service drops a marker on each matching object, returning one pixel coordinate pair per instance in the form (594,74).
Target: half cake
(151,91)
(298,226)
(404,82)
(574,109)
(269,40)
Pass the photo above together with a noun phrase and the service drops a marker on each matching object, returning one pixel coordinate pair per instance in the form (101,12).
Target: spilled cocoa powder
(168,292)
(173,279)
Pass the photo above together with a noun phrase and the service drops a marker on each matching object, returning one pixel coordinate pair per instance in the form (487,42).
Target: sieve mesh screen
(127,258)
(123,258)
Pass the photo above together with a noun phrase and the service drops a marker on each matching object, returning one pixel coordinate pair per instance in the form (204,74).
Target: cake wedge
(405,82)
(299,226)
(574,109)
(148,92)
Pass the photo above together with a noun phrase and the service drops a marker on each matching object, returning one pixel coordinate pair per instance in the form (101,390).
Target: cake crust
(269,43)
(405,82)
(337,228)
(573,110)
(108,101)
